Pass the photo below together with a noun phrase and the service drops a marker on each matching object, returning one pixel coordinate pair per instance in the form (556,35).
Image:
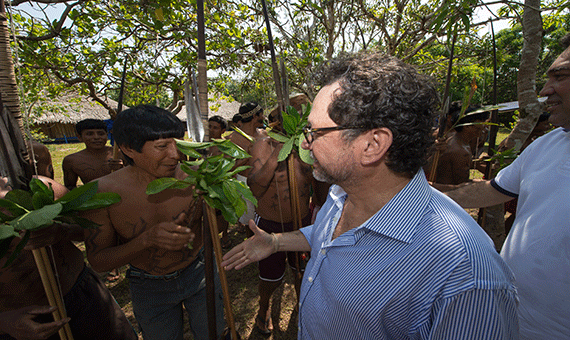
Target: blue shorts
(158,301)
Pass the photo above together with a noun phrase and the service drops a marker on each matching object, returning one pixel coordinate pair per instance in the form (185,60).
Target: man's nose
(547,90)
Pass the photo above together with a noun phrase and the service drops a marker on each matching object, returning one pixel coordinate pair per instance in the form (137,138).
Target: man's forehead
(324,98)
(562,63)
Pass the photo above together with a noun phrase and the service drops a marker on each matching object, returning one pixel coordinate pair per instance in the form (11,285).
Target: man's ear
(378,141)
(127,151)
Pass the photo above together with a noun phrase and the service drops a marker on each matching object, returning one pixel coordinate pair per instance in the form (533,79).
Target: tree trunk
(529,107)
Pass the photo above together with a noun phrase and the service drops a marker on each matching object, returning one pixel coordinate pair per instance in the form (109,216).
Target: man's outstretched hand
(255,248)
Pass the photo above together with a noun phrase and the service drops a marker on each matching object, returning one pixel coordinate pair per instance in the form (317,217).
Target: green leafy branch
(212,177)
(35,209)
(293,124)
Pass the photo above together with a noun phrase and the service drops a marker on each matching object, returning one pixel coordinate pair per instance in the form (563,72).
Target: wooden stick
(40,263)
(433,169)
(212,221)
(297,219)
(56,291)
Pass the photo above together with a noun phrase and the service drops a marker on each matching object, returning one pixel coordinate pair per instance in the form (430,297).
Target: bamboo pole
(212,221)
(52,291)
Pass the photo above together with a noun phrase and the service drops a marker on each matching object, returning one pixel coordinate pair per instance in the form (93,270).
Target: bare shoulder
(116,181)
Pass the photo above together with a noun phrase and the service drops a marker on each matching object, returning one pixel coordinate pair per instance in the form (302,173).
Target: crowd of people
(389,255)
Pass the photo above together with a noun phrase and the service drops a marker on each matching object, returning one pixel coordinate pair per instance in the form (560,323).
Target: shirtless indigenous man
(95,161)
(154,231)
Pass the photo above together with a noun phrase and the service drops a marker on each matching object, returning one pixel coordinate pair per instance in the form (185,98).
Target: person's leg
(195,301)
(263,319)
(271,272)
(157,306)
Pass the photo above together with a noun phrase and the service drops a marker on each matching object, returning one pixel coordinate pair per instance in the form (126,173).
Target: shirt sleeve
(308,232)
(462,316)
(508,180)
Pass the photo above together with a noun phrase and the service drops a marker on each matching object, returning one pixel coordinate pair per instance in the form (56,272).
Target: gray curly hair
(378,90)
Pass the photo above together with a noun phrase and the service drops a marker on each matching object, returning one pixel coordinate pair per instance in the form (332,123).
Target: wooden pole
(214,233)
(297,218)
(276,80)
(52,290)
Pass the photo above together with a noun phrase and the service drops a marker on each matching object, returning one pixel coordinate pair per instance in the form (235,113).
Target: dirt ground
(243,294)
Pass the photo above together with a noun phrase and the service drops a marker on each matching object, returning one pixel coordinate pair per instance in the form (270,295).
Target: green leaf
(290,124)
(238,170)
(235,151)
(21,198)
(37,185)
(244,190)
(215,191)
(234,197)
(7,231)
(100,200)
(15,209)
(305,154)
(40,199)
(161,184)
(286,150)
(78,196)
(278,137)
(37,218)
(18,249)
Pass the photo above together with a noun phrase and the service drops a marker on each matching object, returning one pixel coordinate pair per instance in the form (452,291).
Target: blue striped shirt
(420,268)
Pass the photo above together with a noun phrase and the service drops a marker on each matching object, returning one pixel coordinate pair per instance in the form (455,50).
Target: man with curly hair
(391,257)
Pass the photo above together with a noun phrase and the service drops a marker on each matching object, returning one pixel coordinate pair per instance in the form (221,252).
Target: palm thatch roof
(70,109)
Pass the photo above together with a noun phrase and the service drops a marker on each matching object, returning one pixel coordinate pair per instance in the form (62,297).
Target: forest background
(87,47)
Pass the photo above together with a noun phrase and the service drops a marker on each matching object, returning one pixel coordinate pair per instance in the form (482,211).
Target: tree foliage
(87,47)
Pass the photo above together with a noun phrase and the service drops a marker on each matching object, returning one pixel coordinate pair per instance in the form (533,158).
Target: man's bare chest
(137,213)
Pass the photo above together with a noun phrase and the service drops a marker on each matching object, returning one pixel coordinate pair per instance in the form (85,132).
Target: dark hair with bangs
(377,90)
(90,124)
(140,124)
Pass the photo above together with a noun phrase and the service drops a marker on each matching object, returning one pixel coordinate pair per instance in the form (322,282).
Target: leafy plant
(293,124)
(35,209)
(212,177)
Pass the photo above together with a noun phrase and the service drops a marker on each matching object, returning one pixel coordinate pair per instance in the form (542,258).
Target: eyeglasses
(310,132)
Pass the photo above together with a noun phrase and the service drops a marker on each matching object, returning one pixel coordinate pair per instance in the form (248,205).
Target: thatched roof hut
(58,118)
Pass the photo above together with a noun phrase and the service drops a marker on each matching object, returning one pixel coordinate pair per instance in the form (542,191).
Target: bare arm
(69,176)
(264,164)
(476,194)
(261,245)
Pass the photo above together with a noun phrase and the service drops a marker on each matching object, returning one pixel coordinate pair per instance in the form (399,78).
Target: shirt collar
(399,217)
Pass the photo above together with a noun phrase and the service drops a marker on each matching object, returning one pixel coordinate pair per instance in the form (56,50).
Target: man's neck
(367,197)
